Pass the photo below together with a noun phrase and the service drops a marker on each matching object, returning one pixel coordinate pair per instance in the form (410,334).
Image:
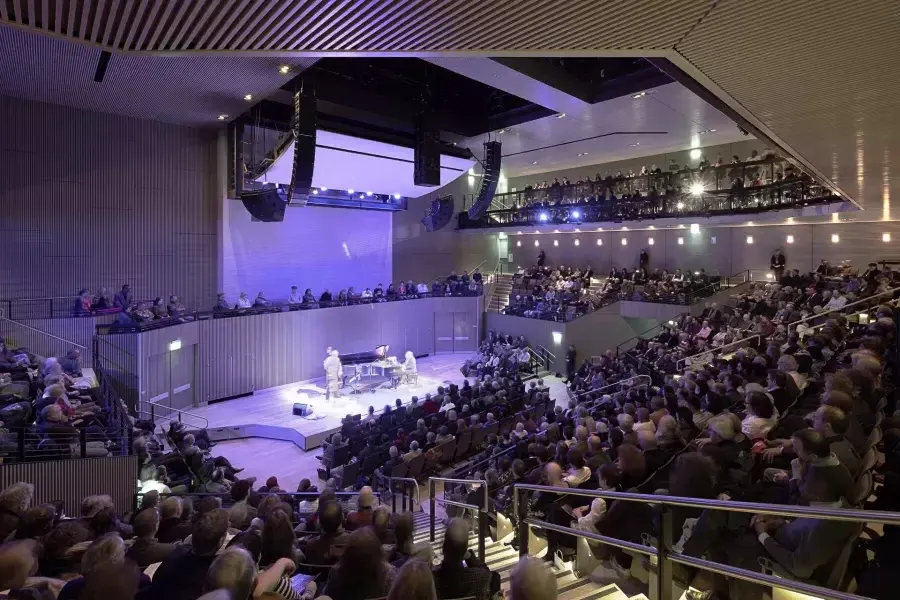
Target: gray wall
(242,354)
(90,200)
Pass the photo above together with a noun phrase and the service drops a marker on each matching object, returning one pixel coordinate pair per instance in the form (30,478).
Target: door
(158,385)
(443,333)
(181,375)
(465,338)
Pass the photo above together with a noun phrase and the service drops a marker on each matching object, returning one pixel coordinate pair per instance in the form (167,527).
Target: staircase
(500,294)
(501,558)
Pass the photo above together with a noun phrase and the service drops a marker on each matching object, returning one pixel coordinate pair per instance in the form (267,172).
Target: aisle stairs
(502,557)
(500,294)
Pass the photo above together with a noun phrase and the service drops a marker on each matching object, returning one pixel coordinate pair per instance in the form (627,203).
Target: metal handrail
(18,324)
(482,511)
(622,382)
(719,283)
(843,308)
(663,551)
(178,410)
(667,323)
(684,360)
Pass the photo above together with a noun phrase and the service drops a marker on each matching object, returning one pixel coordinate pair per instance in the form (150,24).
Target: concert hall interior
(535,300)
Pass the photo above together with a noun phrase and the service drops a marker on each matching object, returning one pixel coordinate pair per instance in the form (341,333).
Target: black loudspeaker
(302,410)
(426,153)
(264,205)
(440,214)
(488,181)
(304,130)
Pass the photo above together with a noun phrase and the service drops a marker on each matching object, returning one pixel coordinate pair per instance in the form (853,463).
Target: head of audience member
(532,579)
(18,562)
(626,422)
(209,532)
(360,571)
(233,570)
(278,539)
(36,522)
(414,581)
(108,549)
(366,499)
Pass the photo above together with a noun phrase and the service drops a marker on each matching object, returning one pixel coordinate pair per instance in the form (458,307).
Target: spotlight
(561,116)
(222,117)
(248,97)
(361,196)
(885,237)
(368,193)
(695,154)
(576,214)
(543,216)
(396,196)
(697,188)
(519,243)
(284,69)
(349,191)
(680,205)
(695,228)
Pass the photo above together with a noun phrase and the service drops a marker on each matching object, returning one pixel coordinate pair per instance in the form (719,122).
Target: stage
(268,413)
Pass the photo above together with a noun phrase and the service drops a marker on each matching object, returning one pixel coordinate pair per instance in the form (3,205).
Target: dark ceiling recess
(102,64)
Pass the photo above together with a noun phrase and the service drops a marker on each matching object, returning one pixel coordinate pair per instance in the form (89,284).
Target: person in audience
(361,572)
(222,302)
(243,301)
(181,575)
(175,308)
(234,570)
(362,517)
(460,573)
(259,301)
(531,579)
(123,298)
(414,581)
(329,546)
(295,298)
(107,550)
(146,550)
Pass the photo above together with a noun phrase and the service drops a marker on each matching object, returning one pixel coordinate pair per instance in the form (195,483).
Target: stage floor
(268,413)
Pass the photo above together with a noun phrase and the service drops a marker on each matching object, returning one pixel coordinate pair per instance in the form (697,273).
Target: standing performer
(334,372)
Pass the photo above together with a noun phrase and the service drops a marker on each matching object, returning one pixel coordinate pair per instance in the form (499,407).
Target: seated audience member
(243,301)
(278,552)
(19,572)
(146,550)
(531,579)
(175,308)
(404,549)
(328,547)
(71,363)
(222,302)
(414,581)
(260,301)
(361,573)
(234,570)
(181,575)
(107,550)
(453,578)
(123,298)
(362,517)
(295,297)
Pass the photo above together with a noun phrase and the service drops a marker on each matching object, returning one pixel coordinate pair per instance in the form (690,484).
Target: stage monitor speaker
(304,130)
(265,205)
(302,409)
(488,181)
(426,153)
(440,214)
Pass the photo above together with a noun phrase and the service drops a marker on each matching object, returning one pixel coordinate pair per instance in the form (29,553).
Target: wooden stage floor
(268,413)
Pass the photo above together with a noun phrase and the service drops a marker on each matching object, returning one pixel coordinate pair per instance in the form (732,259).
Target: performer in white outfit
(334,372)
(409,366)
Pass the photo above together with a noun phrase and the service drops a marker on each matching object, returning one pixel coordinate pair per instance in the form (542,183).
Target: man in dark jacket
(146,550)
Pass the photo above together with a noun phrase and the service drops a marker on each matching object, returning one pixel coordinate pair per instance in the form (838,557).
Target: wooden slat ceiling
(818,74)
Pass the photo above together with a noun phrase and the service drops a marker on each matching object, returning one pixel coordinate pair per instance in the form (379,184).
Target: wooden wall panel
(91,200)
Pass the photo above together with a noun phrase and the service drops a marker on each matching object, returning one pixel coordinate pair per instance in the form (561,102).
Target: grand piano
(365,371)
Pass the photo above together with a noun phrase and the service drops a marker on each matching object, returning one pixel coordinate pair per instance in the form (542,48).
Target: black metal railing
(481,509)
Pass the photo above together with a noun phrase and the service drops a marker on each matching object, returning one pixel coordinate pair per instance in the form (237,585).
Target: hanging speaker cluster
(426,153)
(304,130)
(440,214)
(488,181)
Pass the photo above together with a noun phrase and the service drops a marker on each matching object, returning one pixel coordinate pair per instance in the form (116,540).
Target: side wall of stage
(221,358)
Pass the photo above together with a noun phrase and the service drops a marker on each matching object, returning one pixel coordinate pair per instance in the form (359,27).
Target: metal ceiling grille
(359,25)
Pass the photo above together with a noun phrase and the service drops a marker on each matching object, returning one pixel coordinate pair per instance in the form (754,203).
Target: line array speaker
(440,214)
(304,130)
(265,205)
(426,153)
(488,181)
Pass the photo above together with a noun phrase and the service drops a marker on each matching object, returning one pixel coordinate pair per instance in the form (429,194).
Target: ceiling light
(472,171)
(368,193)
(534,162)
(561,116)
(350,191)
(681,241)
(680,205)
(712,130)
(790,239)
(885,237)
(835,238)
(650,241)
(361,196)
(284,69)
(577,243)
(695,154)
(624,241)
(576,214)
(519,243)
(599,242)
(635,145)
(556,242)
(223,117)
(695,228)
(749,239)
(248,97)
(697,188)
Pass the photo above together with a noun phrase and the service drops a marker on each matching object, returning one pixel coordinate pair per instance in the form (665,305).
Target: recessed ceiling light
(284,69)
(534,162)
(636,144)
(561,116)
(222,117)
(248,97)
(639,95)
(502,131)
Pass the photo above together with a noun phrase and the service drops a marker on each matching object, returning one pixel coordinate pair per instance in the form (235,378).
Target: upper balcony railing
(738,188)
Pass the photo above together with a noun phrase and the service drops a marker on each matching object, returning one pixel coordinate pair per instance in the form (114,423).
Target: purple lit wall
(314,247)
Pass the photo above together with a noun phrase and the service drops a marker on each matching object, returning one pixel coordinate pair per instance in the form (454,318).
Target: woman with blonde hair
(414,581)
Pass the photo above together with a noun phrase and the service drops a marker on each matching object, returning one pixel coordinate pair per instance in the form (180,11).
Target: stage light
(284,69)
(599,242)
(835,238)
(349,191)
(651,241)
(396,196)
(790,239)
(577,243)
(695,228)
(324,189)
(248,97)
(680,205)
(697,188)
(222,117)
(315,192)
(624,241)
(536,243)
(695,154)
(543,216)
(749,239)
(681,241)
(885,237)
(576,214)
(368,193)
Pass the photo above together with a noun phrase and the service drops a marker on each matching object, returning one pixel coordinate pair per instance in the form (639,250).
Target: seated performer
(409,366)
(333,375)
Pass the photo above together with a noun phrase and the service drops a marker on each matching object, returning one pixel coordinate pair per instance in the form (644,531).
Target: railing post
(21,444)
(431,506)
(482,532)
(663,565)
(393,495)
(82,438)
(522,534)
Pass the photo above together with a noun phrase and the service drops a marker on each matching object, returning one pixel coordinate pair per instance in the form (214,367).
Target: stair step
(585,589)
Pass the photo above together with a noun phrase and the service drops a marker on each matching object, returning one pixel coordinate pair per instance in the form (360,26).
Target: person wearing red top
(430,407)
